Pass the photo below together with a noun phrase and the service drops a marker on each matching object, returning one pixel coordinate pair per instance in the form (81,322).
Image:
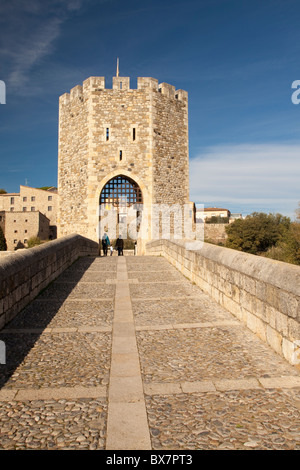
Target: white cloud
(28,32)
(249,177)
(38,45)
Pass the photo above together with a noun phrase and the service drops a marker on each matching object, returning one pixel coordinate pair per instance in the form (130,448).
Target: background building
(215,212)
(33,200)
(208,213)
(30,213)
(19,227)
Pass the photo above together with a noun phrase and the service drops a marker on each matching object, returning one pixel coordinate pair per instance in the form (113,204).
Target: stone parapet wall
(3,254)
(263,293)
(215,232)
(24,275)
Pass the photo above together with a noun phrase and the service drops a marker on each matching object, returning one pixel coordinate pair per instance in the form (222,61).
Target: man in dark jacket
(105,244)
(119,246)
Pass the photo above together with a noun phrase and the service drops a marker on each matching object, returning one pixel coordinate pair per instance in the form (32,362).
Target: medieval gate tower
(120,142)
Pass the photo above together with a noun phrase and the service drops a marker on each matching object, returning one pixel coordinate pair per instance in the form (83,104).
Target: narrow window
(24,209)
(49,198)
(121,85)
(121,155)
(12,200)
(32,209)
(49,208)
(25,199)
(107,134)
(133,133)
(32,198)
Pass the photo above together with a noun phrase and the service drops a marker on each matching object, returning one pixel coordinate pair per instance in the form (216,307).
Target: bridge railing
(263,293)
(23,275)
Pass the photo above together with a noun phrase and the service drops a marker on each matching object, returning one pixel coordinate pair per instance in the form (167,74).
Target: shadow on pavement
(35,320)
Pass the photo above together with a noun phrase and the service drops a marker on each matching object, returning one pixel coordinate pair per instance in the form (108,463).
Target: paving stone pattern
(207,381)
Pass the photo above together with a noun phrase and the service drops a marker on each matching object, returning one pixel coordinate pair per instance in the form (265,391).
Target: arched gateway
(120,203)
(121,191)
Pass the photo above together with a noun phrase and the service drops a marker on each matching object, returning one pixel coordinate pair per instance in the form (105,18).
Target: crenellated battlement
(97,84)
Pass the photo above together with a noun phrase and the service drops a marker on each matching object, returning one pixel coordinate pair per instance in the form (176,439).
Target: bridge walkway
(126,353)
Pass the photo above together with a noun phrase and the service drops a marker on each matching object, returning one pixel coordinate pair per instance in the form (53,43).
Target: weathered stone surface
(179,373)
(24,275)
(149,125)
(263,293)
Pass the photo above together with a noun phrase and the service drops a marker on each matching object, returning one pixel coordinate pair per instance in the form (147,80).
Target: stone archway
(121,202)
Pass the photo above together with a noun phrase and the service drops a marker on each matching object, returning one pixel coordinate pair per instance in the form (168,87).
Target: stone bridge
(175,350)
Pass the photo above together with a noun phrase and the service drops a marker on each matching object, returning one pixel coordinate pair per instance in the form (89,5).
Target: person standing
(105,244)
(119,245)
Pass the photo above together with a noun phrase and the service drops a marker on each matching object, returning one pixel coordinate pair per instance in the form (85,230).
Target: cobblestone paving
(156,312)
(193,345)
(256,419)
(209,383)
(69,313)
(81,290)
(205,353)
(61,359)
(58,353)
(54,424)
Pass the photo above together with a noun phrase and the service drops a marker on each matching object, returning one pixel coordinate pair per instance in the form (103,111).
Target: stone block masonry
(140,133)
(215,233)
(24,275)
(263,293)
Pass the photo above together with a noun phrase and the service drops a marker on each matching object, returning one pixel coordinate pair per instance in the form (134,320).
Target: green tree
(2,191)
(257,233)
(298,212)
(33,241)
(288,248)
(3,245)
(296,234)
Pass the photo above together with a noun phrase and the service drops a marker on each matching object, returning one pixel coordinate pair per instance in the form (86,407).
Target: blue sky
(236,58)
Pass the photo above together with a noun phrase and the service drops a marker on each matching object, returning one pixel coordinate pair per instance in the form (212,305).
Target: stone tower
(139,136)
